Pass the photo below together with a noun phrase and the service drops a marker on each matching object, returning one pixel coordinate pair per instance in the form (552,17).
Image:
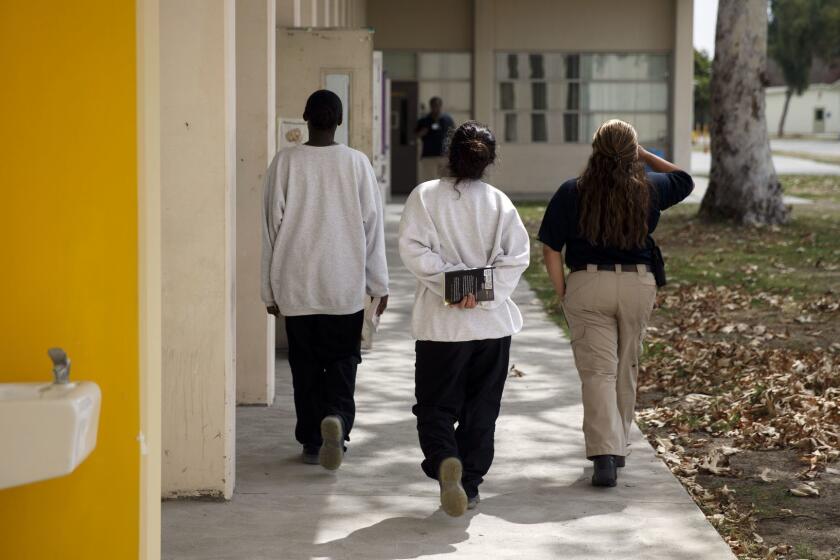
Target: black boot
(605,470)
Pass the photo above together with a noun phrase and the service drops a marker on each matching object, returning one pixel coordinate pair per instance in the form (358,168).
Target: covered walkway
(536,502)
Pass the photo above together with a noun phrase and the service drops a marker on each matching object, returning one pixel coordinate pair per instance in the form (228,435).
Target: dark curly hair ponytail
(472,148)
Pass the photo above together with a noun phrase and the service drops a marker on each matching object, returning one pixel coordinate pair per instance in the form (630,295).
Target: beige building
(181,105)
(816,112)
(542,73)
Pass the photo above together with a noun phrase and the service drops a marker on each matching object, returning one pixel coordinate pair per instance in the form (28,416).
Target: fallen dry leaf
(766,477)
(805,490)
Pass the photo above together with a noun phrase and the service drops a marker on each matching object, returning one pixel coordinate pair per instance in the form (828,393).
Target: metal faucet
(61,366)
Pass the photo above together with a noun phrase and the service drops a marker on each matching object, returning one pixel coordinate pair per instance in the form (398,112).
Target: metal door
(403,142)
(819,119)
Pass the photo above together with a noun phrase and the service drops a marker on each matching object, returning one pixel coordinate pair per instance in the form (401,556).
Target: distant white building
(816,111)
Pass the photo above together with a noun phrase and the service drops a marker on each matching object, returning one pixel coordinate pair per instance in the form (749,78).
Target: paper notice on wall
(291,132)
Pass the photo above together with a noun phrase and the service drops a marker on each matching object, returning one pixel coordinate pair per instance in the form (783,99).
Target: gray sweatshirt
(323,232)
(443,230)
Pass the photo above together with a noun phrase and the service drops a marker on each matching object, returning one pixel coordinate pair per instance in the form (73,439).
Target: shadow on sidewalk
(412,537)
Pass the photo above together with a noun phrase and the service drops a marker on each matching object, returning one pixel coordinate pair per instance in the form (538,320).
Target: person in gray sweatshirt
(323,257)
(462,349)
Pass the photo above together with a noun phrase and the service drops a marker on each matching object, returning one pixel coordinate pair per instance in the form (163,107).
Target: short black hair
(323,110)
(434,100)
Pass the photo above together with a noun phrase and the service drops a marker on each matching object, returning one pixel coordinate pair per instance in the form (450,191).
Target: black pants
(324,351)
(459,382)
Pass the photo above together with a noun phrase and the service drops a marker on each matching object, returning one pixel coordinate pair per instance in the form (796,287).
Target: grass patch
(798,259)
(537,277)
(804,552)
(814,187)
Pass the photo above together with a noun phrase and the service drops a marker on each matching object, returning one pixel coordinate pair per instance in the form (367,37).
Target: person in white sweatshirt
(323,254)
(462,349)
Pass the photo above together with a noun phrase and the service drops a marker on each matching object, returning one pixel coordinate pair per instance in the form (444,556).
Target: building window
(563,97)
(571,127)
(510,127)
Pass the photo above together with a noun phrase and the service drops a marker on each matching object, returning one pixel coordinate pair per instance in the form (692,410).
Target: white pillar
(297,15)
(149,269)
(255,147)
(484,63)
(310,13)
(287,14)
(198,193)
(682,109)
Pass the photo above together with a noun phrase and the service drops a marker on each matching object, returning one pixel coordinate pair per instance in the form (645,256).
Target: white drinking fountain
(47,429)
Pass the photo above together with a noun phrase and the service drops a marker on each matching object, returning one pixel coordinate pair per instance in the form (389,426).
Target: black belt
(624,267)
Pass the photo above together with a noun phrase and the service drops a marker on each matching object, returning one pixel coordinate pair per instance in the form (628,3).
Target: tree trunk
(743,186)
(788,95)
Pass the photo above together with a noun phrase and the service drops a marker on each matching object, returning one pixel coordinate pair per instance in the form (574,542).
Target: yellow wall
(68,232)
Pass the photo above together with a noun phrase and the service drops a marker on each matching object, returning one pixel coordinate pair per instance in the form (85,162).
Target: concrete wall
(800,116)
(357,14)
(583,25)
(557,25)
(441,25)
(255,148)
(68,177)
(198,183)
(308,55)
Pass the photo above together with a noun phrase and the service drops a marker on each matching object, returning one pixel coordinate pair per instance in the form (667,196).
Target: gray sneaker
(332,449)
(473,502)
(309,455)
(453,499)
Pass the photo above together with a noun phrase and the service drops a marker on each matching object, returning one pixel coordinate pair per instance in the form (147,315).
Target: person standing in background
(323,253)
(432,130)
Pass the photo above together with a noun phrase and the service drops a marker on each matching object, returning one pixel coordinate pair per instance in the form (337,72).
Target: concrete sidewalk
(536,501)
(701,163)
(812,146)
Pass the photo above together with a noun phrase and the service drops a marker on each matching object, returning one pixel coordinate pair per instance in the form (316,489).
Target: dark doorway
(403,142)
(819,119)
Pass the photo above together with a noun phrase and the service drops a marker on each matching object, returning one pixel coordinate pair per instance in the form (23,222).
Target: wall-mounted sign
(291,132)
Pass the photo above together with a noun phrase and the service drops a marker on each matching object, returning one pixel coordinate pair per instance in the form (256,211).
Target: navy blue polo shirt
(435,138)
(560,225)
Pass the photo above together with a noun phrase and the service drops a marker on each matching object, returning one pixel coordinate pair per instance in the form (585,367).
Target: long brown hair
(613,191)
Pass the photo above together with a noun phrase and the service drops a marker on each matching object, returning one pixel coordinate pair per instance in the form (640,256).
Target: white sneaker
(332,449)
(453,499)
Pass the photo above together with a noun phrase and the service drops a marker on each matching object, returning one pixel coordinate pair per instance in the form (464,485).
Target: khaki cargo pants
(607,313)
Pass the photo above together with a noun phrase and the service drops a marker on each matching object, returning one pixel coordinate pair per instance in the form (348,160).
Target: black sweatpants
(324,351)
(459,382)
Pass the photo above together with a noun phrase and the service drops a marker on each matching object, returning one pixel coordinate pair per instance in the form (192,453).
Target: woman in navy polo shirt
(604,219)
